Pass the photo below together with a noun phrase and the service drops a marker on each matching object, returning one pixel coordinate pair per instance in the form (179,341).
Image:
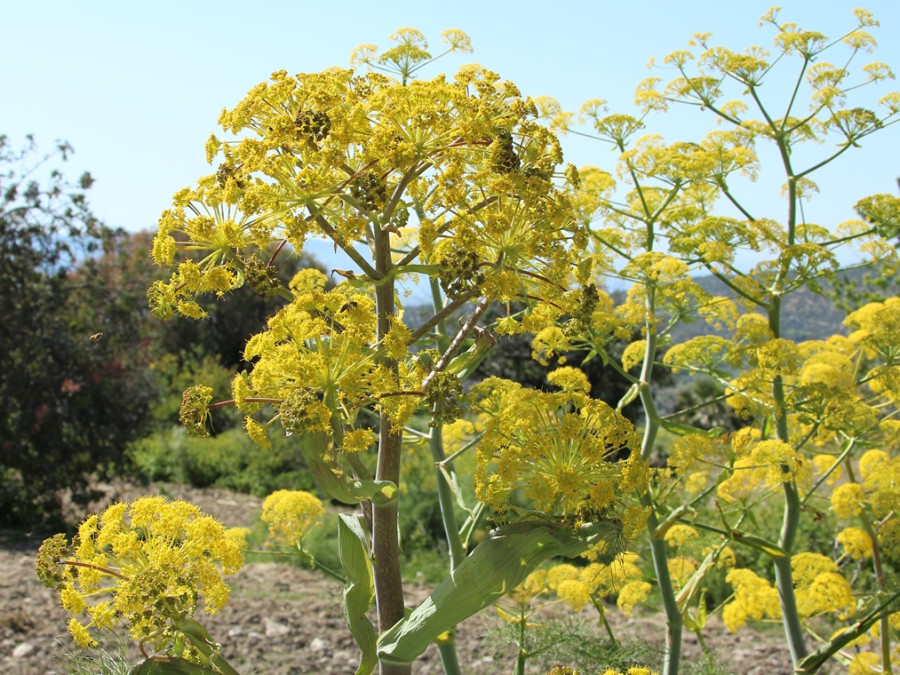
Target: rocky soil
(282,620)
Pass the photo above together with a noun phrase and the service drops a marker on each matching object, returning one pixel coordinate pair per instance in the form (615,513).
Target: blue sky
(136,88)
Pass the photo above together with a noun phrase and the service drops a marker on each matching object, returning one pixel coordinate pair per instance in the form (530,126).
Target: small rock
(275,629)
(235,631)
(23,650)
(317,644)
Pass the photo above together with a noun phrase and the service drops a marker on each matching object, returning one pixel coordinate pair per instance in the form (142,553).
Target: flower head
(153,561)
(556,450)
(290,514)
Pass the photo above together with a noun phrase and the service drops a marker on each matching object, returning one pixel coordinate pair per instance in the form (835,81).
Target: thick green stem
(522,657)
(385,532)
(446,502)
(793,631)
(447,646)
(784,581)
(674,620)
(436,442)
(447,650)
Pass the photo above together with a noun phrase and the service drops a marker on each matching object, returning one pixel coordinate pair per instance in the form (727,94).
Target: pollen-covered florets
(569,455)
(152,561)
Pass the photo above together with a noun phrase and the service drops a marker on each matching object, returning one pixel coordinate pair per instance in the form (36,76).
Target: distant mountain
(805,315)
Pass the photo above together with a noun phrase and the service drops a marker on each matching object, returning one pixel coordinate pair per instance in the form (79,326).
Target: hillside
(805,315)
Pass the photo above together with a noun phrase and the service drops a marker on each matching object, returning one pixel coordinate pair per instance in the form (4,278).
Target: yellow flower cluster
(856,542)
(877,495)
(767,464)
(146,565)
(560,454)
(290,514)
(344,155)
(580,586)
(819,588)
(754,598)
(633,670)
(597,582)
(316,357)
(714,65)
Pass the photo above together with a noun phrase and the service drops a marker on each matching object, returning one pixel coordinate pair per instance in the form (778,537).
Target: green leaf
(170,665)
(465,364)
(206,647)
(359,591)
(812,662)
(629,396)
(692,586)
(689,622)
(701,610)
(498,564)
(336,479)
(758,543)
(672,519)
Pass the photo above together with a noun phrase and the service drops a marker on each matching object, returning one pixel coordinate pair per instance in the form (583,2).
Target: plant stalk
(385,517)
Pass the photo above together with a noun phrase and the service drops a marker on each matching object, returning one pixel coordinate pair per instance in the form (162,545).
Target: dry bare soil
(282,620)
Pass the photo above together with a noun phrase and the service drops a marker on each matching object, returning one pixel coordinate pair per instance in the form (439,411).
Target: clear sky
(137,87)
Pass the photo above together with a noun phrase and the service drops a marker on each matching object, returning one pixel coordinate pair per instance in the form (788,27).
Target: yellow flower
(632,594)
(574,593)
(146,565)
(556,448)
(783,463)
(872,461)
(680,534)
(80,634)
(633,355)
(358,440)
(864,663)
(754,598)
(847,500)
(257,432)
(742,483)
(239,536)
(857,544)
(560,573)
(889,538)
(290,514)
(71,600)
(808,566)
(828,593)
(570,380)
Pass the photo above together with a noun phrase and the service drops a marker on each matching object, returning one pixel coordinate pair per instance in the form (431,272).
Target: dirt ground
(282,620)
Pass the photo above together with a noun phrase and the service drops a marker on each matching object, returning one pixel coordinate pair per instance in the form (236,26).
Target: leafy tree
(71,371)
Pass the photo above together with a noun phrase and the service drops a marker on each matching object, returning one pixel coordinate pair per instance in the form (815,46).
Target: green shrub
(230,461)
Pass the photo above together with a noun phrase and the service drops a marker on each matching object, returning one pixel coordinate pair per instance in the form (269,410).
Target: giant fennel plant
(820,415)
(454,180)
